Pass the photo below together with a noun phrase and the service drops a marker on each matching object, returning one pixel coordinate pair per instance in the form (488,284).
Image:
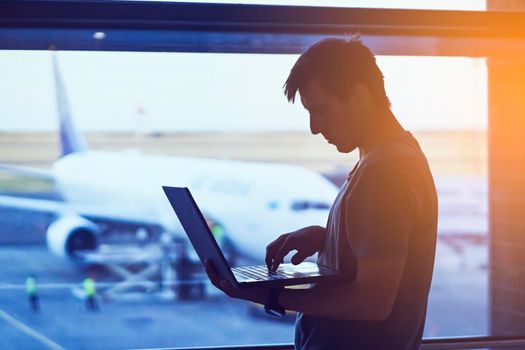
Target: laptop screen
(197,229)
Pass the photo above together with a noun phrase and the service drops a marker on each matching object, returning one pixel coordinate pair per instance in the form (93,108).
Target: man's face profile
(334,118)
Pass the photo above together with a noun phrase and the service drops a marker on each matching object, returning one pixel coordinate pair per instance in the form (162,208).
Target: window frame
(199,27)
(231,28)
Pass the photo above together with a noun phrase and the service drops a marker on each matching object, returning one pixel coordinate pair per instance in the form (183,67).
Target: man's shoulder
(399,154)
(396,166)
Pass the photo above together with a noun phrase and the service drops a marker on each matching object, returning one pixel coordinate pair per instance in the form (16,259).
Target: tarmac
(458,306)
(140,321)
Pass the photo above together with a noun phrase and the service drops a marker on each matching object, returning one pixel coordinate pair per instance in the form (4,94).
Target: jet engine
(71,234)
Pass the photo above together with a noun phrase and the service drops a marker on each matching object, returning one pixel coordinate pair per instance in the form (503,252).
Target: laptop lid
(197,230)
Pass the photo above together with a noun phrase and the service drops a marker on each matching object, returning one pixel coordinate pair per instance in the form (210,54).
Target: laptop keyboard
(261,273)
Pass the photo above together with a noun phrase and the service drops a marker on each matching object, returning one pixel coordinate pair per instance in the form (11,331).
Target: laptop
(207,248)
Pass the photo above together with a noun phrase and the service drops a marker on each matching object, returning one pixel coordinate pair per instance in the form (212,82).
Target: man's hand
(307,241)
(256,295)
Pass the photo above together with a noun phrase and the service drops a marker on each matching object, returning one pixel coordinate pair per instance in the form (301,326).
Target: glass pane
(221,122)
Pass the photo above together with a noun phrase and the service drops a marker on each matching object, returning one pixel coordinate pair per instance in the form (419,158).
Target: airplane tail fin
(71,139)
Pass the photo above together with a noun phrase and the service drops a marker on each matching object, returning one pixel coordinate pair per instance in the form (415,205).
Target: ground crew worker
(90,293)
(218,233)
(31,292)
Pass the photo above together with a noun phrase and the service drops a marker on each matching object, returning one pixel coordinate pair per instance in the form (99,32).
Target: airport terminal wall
(507,198)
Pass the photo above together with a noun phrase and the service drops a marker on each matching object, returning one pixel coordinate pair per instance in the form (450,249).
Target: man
(32,292)
(381,231)
(90,294)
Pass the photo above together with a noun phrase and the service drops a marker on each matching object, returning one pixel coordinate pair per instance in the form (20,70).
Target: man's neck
(386,126)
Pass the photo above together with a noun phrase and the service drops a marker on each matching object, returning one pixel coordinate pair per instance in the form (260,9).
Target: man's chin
(345,148)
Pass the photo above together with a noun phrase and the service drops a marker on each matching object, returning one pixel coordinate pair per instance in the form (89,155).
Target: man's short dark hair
(338,64)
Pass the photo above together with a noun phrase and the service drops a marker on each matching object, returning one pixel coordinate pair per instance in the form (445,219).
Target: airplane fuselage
(254,202)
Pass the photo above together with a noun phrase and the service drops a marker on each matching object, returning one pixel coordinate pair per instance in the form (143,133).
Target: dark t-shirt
(386,208)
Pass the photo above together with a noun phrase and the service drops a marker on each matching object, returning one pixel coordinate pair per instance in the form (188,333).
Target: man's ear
(361,96)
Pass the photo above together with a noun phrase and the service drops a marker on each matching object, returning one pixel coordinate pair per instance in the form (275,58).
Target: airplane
(105,192)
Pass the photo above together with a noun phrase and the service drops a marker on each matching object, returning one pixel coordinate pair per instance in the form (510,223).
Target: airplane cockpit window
(306,204)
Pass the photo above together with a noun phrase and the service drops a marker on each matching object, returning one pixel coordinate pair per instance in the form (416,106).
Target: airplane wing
(69,228)
(98,214)
(49,201)
(27,171)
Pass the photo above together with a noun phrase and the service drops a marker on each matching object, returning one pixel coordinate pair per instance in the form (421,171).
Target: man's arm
(369,297)
(306,241)
(379,221)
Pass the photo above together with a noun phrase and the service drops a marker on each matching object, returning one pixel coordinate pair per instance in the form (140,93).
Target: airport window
(93,135)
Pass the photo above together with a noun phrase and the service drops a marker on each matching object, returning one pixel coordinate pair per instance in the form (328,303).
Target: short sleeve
(379,213)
